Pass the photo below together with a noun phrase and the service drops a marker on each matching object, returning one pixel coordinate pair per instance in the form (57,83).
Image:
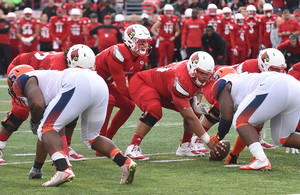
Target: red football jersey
(225,27)
(287,45)
(250,66)
(292,25)
(45,32)
(28,27)
(122,28)
(214,21)
(59,27)
(91,41)
(116,63)
(192,28)
(253,26)
(14,40)
(76,31)
(295,71)
(67,7)
(172,82)
(265,30)
(167,27)
(239,36)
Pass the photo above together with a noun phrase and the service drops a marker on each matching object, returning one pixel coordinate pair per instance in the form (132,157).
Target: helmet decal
(75,55)
(12,77)
(265,57)
(195,59)
(131,33)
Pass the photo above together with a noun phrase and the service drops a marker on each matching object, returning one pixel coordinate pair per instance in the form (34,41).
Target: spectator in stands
(24,4)
(235,6)
(117,7)
(107,34)
(252,2)
(71,5)
(275,39)
(180,7)
(297,15)
(3,8)
(288,26)
(88,10)
(193,27)
(291,50)
(45,38)
(279,12)
(242,10)
(134,19)
(10,7)
(14,41)
(107,10)
(92,42)
(5,55)
(214,44)
(260,6)
(291,5)
(278,4)
(197,4)
(220,4)
(50,9)
(201,12)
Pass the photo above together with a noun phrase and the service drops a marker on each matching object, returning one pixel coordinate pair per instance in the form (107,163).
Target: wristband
(205,137)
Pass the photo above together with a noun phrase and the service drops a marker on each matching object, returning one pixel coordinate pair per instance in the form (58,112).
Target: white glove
(200,108)
(29,39)
(34,126)
(235,52)
(24,40)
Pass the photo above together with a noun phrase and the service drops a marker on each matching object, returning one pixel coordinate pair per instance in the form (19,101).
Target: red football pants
(166,49)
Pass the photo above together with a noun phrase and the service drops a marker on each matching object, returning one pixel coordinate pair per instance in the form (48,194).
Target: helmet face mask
(271,60)
(212,9)
(251,10)
(239,19)
(227,12)
(81,56)
(268,10)
(168,10)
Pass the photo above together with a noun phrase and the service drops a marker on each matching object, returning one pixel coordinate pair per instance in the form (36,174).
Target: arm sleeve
(119,36)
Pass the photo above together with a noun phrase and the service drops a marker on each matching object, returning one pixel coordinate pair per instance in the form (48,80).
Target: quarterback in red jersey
(170,87)
(59,30)
(115,64)
(14,41)
(28,31)
(168,25)
(77,28)
(252,22)
(239,40)
(212,17)
(267,21)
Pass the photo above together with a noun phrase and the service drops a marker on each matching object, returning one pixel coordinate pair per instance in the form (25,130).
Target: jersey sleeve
(180,96)
(19,84)
(218,87)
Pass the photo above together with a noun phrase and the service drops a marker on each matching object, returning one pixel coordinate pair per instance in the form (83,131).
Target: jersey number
(168,29)
(26,28)
(40,56)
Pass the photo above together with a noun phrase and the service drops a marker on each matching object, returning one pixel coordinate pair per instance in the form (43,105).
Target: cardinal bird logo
(131,33)
(265,57)
(195,59)
(74,55)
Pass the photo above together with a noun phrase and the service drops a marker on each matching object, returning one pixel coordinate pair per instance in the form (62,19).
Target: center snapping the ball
(223,154)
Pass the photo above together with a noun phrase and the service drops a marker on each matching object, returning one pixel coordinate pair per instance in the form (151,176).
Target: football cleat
(231,159)
(197,144)
(60,177)
(185,149)
(2,162)
(135,152)
(258,165)
(73,156)
(35,173)
(128,171)
(266,145)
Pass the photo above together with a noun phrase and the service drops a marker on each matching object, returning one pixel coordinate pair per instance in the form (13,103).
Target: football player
(252,22)
(77,28)
(212,17)
(170,87)
(168,30)
(115,64)
(120,23)
(14,41)
(52,98)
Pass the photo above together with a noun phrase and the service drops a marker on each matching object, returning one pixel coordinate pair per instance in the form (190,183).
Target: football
(223,154)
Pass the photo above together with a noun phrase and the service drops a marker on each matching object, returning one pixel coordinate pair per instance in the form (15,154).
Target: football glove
(34,126)
(200,108)
(235,52)
(215,138)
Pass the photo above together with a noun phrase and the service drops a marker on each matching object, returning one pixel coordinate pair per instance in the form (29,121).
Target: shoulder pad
(179,88)
(19,84)
(117,53)
(218,87)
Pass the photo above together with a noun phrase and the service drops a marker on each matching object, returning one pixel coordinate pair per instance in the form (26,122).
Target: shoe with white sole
(135,152)
(73,156)
(258,165)
(197,144)
(60,177)
(266,145)
(2,162)
(185,149)
(128,171)
(35,173)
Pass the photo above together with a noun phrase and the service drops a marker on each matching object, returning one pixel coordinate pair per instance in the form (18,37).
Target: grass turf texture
(165,173)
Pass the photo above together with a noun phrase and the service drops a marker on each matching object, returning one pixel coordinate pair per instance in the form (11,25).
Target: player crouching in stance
(52,97)
(170,87)
(248,100)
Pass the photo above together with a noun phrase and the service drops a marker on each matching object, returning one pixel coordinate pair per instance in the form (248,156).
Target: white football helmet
(251,10)
(119,18)
(81,56)
(11,16)
(219,11)
(268,10)
(271,59)
(239,19)
(188,13)
(168,10)
(212,9)
(27,12)
(202,62)
(133,35)
(227,12)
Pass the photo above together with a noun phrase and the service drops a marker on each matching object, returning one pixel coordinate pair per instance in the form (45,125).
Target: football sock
(68,139)
(137,139)
(257,151)
(238,146)
(118,120)
(59,160)
(186,137)
(37,165)
(205,128)
(117,156)
(3,138)
(258,129)
(103,130)
(65,144)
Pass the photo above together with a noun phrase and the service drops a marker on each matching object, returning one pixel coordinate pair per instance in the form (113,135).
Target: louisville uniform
(27,30)
(166,31)
(215,21)
(253,34)
(224,29)
(76,33)
(14,40)
(265,30)
(59,31)
(45,38)
(239,40)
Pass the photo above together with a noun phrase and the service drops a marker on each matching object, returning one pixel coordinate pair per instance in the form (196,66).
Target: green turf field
(164,173)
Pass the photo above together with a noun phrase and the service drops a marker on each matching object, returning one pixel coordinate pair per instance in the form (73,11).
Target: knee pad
(14,119)
(148,119)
